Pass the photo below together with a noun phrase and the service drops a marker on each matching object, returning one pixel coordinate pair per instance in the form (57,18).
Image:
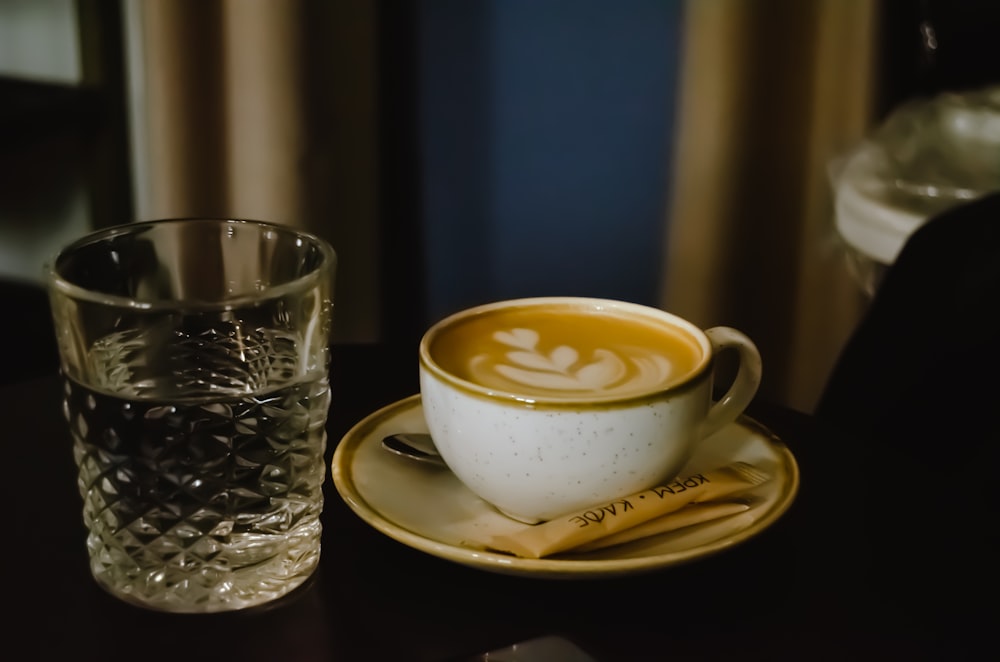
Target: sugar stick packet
(575,529)
(689,515)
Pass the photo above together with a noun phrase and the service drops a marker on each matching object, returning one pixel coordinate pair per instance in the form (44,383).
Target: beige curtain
(771,92)
(238,110)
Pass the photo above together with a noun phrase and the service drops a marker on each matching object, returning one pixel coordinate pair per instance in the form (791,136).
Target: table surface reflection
(819,584)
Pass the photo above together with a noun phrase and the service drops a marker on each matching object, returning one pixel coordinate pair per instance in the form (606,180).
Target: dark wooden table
(826,582)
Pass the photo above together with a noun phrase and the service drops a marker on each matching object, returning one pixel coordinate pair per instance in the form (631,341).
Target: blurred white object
(927,156)
(542,649)
(40,41)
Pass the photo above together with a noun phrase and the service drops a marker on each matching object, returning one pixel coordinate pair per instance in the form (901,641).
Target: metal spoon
(420,447)
(413,446)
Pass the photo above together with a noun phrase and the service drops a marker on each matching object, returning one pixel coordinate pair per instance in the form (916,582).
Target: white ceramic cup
(545,406)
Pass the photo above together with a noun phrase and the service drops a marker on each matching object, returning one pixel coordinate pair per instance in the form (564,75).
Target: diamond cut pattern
(203,488)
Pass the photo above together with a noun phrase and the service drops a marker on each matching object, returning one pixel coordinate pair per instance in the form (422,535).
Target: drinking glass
(194,354)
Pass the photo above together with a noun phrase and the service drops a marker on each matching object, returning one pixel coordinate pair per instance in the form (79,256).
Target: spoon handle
(414,446)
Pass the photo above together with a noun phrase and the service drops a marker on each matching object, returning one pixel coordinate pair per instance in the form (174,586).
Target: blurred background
(454,152)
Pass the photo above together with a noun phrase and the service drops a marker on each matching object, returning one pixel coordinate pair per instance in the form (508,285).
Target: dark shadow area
(48,138)
(916,387)
(403,274)
(929,46)
(26,334)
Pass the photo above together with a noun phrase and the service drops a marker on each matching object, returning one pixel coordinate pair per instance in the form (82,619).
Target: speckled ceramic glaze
(570,422)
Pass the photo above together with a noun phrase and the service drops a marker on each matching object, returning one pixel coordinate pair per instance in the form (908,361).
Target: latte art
(567,352)
(612,370)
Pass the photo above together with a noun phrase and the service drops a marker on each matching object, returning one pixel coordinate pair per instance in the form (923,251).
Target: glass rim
(56,282)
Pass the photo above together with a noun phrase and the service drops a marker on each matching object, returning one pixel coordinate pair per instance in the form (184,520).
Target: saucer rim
(555,567)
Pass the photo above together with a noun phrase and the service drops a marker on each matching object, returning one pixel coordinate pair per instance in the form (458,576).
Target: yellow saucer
(429,509)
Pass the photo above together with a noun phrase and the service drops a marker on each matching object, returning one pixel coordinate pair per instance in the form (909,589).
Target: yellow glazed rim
(692,381)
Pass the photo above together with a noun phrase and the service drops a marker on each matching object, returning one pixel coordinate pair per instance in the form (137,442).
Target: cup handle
(744,387)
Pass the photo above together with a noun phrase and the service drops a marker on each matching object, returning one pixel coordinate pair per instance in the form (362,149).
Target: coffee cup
(545,406)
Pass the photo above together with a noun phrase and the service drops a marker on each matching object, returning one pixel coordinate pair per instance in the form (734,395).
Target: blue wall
(546,131)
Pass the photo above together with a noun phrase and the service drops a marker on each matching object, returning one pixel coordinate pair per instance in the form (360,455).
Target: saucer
(429,509)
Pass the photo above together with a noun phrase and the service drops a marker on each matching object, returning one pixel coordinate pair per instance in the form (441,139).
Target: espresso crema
(567,352)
